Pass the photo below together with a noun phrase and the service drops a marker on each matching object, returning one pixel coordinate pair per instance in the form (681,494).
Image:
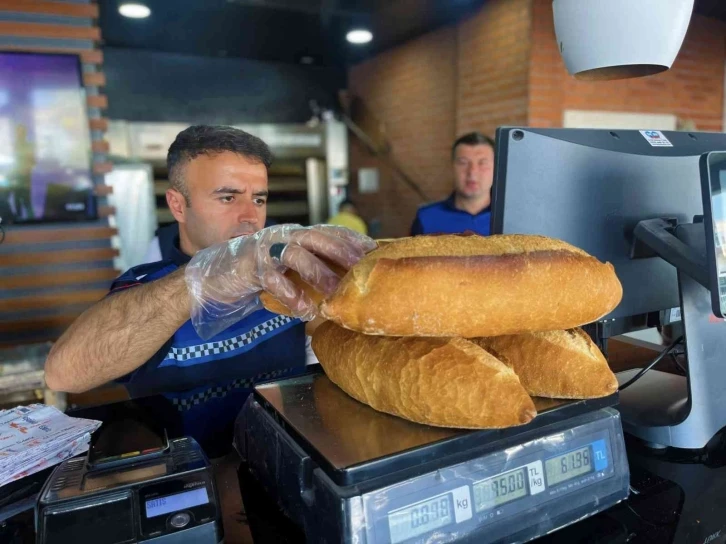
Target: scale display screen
(180,501)
(421,517)
(569,465)
(500,489)
(573,469)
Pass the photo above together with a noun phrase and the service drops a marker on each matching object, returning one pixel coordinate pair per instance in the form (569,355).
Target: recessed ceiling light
(359,36)
(134,10)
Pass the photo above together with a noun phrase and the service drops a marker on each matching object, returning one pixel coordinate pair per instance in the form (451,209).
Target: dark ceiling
(711,8)
(288,30)
(276,30)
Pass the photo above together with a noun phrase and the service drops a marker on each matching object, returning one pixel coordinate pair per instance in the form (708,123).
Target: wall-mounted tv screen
(45,144)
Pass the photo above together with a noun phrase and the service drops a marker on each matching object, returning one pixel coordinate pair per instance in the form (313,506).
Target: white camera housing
(617,39)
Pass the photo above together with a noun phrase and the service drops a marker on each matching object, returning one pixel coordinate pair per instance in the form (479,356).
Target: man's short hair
(210,140)
(473,138)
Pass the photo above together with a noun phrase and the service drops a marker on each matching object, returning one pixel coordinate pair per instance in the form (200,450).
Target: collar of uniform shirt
(450,204)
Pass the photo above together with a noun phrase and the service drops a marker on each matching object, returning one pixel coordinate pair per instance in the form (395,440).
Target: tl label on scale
(535,473)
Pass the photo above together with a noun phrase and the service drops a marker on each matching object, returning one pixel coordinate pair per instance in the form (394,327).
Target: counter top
(19,529)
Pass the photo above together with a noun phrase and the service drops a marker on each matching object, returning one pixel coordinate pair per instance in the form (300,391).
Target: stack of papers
(35,437)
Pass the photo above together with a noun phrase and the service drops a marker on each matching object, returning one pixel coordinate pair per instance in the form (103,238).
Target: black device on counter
(121,440)
(166,495)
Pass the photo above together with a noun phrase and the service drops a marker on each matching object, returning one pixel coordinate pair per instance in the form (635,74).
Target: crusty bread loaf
(274,305)
(557,364)
(472,286)
(445,382)
(364,433)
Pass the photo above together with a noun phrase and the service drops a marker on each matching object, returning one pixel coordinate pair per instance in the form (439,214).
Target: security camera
(617,39)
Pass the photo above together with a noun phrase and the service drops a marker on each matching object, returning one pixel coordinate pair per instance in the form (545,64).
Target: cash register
(338,471)
(135,484)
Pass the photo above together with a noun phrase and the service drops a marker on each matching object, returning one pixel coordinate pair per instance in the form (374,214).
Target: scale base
(294,438)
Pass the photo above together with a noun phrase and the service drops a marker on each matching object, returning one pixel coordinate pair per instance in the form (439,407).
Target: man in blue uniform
(141,334)
(467,209)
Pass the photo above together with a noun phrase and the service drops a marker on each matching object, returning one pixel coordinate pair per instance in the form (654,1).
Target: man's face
(228,198)
(473,170)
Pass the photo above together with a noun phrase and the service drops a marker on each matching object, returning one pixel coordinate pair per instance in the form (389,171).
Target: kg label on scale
(462,504)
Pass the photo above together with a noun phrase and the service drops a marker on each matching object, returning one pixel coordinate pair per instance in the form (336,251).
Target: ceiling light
(359,36)
(134,10)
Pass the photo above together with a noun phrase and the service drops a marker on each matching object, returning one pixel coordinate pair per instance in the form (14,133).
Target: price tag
(535,473)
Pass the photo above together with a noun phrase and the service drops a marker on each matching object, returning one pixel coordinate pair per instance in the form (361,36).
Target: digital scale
(343,472)
(161,495)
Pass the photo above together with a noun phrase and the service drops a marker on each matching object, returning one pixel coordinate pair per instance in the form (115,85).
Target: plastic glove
(224,281)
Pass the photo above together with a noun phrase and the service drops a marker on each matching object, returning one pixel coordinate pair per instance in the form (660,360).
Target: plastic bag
(225,280)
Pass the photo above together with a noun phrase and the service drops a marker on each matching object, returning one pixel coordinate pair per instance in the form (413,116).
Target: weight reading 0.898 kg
(430,512)
(420,518)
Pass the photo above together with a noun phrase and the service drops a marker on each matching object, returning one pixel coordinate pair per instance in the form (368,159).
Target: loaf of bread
(472,286)
(364,433)
(556,364)
(445,382)
(274,305)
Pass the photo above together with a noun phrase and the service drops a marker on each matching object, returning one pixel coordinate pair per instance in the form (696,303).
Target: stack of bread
(462,331)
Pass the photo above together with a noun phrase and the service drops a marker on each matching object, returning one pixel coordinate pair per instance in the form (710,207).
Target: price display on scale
(569,465)
(500,489)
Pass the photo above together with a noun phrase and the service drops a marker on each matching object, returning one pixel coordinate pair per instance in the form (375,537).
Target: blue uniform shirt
(207,381)
(444,218)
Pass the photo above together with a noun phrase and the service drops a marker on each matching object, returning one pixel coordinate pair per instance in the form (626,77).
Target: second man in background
(467,209)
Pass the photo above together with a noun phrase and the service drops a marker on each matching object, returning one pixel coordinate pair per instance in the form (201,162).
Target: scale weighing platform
(343,472)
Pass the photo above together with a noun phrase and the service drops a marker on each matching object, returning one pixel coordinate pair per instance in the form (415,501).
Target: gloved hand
(224,281)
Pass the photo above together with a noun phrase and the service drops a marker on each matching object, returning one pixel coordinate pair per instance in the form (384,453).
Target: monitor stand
(683,412)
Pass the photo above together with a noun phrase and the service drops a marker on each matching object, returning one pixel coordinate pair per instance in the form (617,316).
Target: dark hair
(473,138)
(210,140)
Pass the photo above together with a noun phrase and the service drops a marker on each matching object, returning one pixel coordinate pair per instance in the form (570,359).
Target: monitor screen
(45,144)
(591,187)
(718,207)
(714,206)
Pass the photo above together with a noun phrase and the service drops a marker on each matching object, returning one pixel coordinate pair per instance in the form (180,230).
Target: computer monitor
(713,179)
(45,143)
(591,187)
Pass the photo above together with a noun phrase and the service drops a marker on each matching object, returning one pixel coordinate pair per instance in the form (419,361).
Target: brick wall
(493,67)
(501,66)
(692,89)
(471,76)
(52,272)
(412,89)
